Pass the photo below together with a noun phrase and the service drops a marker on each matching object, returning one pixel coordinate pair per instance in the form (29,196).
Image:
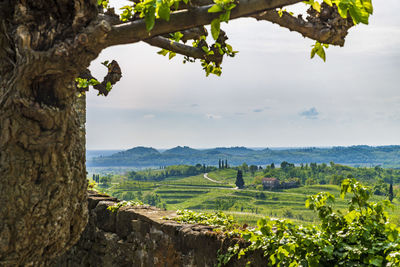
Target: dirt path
(208,178)
(214,181)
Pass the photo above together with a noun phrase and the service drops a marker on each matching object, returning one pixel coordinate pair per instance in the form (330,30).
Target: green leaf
(272,259)
(376,261)
(321,53)
(342,9)
(318,49)
(360,12)
(82,83)
(230,7)
(316,6)
(127,13)
(105,63)
(171,54)
(177,36)
(163,52)
(215,28)
(225,16)
(328,250)
(368,6)
(108,86)
(308,200)
(94,82)
(351,216)
(164,11)
(329,2)
(215,9)
(205,48)
(313,51)
(150,20)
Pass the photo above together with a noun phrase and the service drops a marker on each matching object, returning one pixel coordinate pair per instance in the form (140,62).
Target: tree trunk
(42,170)
(43,207)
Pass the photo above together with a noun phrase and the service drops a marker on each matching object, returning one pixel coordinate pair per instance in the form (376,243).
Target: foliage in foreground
(361,236)
(124,203)
(212,219)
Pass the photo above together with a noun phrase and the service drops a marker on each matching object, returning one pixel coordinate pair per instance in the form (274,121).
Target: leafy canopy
(152,10)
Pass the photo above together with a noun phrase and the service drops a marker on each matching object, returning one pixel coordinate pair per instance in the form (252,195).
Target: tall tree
(253,169)
(239,179)
(45,45)
(245,167)
(390,193)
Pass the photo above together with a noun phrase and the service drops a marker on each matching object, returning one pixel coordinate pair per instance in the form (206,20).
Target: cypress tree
(391,195)
(239,179)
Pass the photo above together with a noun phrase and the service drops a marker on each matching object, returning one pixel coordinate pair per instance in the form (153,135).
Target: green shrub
(361,236)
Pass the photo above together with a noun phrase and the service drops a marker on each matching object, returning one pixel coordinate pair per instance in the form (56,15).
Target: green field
(246,205)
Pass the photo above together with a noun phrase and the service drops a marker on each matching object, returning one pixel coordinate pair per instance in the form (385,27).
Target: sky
(270,95)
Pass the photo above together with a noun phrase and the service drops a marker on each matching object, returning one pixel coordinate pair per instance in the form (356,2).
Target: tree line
(169,171)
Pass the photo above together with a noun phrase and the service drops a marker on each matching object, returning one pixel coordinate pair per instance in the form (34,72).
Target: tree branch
(113,76)
(135,31)
(182,49)
(326,27)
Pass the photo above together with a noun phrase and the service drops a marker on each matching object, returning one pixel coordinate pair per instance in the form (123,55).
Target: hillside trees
(45,45)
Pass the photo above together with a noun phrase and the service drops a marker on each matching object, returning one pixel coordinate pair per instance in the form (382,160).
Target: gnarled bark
(43,206)
(42,170)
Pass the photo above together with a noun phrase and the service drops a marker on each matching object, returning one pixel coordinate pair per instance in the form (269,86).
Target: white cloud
(213,116)
(311,113)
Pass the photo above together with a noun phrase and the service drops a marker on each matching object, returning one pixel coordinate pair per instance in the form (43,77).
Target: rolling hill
(386,156)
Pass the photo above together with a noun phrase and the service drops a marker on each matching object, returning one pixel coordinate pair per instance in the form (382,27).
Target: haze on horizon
(270,95)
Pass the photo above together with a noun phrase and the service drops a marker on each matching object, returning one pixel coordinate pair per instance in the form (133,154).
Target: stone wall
(138,236)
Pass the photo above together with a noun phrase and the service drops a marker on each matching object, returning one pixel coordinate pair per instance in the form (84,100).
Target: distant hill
(238,150)
(386,156)
(181,151)
(97,153)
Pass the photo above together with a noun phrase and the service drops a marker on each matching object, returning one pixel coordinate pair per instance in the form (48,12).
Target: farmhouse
(270,183)
(274,183)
